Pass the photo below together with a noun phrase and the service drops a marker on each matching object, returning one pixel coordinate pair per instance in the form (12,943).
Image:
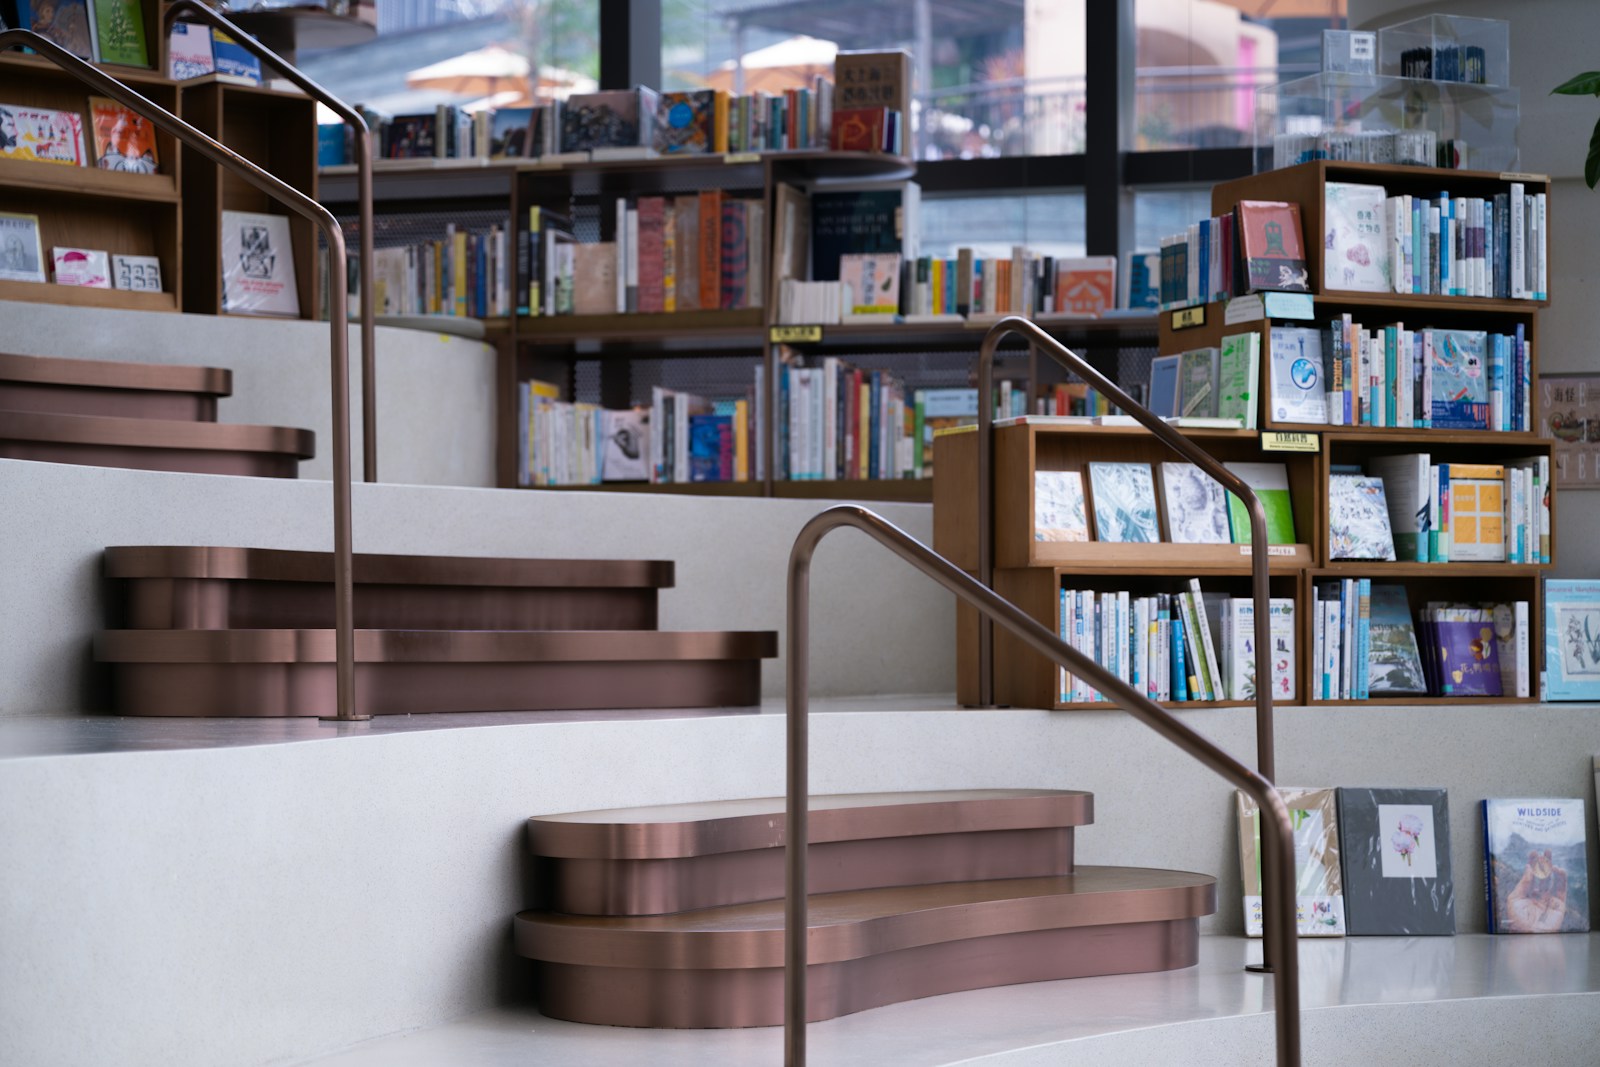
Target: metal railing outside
(338,341)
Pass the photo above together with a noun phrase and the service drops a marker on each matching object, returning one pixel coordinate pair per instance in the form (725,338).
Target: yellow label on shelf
(1519,176)
(1272,441)
(1186,317)
(741,157)
(789,335)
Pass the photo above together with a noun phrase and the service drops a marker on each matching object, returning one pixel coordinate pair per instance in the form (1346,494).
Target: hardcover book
(1405,490)
(1271,244)
(1355,247)
(594,278)
(1466,654)
(1477,513)
(1197,383)
(872,80)
(1459,399)
(685,121)
(1537,864)
(1395,845)
(21,254)
(258,265)
(1358,518)
(66,22)
(41,135)
(510,132)
(1058,506)
(119,32)
(1394,663)
(1239,638)
(1085,286)
(611,118)
(860,129)
(1299,393)
(1197,506)
(872,283)
(1163,399)
(865,221)
(189,51)
(1238,378)
(412,137)
(1571,635)
(123,139)
(86,267)
(1270,482)
(1319,886)
(625,450)
(1124,502)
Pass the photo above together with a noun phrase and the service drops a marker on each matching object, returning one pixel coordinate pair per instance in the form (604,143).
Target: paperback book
(1358,518)
(65,22)
(41,135)
(123,139)
(1238,378)
(1197,506)
(1085,286)
(1164,385)
(1459,398)
(625,445)
(1319,886)
(1270,483)
(1197,383)
(119,32)
(258,275)
(86,267)
(189,51)
(1272,246)
(21,253)
(1571,636)
(1355,250)
(686,121)
(140,274)
(1394,662)
(1395,845)
(1124,502)
(1464,654)
(1536,863)
(510,133)
(1058,506)
(1299,393)
(1238,641)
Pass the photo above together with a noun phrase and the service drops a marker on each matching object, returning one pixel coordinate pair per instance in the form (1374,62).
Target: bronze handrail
(298,202)
(193,9)
(1277,875)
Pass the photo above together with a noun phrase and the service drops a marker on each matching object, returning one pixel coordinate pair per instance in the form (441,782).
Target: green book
(119,25)
(1270,481)
(1238,375)
(1197,383)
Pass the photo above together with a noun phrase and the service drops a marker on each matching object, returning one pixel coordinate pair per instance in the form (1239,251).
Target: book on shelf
(124,140)
(862,219)
(189,51)
(687,121)
(21,251)
(140,274)
(870,102)
(837,422)
(1234,621)
(1298,390)
(1394,663)
(87,267)
(1270,483)
(1059,512)
(1319,884)
(609,118)
(1355,246)
(1395,848)
(1341,613)
(1124,502)
(119,33)
(1571,639)
(1197,382)
(1196,506)
(42,135)
(1536,865)
(233,60)
(1358,518)
(1239,378)
(624,445)
(509,133)
(67,23)
(1460,651)
(258,274)
(1271,247)
(1163,399)
(871,285)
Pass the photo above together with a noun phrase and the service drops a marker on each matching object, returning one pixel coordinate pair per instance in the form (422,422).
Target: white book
(1141,646)
(1298,390)
(1315,688)
(1519,243)
(1196,509)
(1541,249)
(1124,622)
(830,419)
(1333,633)
(622,255)
(1208,644)
(258,276)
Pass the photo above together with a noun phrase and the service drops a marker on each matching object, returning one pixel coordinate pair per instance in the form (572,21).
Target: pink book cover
(652,246)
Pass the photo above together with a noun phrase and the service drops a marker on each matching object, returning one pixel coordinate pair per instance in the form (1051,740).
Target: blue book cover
(1572,639)
(1536,865)
(1460,394)
(232,59)
(706,434)
(1180,677)
(330,144)
(1164,385)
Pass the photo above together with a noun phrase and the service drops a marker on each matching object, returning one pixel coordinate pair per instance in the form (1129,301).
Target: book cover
(709,437)
(41,135)
(1058,506)
(1238,377)
(332,150)
(1465,652)
(1571,635)
(1395,847)
(1238,640)
(189,51)
(652,246)
(258,265)
(1163,398)
(123,139)
(686,210)
(872,283)
(685,121)
(1358,518)
(1197,383)
(86,267)
(1270,482)
(1536,862)
(1142,281)
(872,79)
(1355,247)
(412,137)
(735,258)
(510,129)
(21,253)
(1405,490)
(1085,286)
(611,118)
(1460,391)
(864,222)
(119,32)
(66,22)
(1124,502)
(594,278)
(233,59)
(859,129)
(1394,662)
(140,274)
(1477,517)
(1272,246)
(1197,506)
(1319,885)
(1298,390)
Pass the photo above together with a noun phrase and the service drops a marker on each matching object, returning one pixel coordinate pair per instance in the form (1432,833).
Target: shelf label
(789,335)
(1288,305)
(1519,176)
(1290,442)
(1272,550)
(741,157)
(1183,318)
(1243,309)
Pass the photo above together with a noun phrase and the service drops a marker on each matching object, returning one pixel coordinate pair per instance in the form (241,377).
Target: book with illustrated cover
(872,283)
(867,221)
(1141,281)
(1459,371)
(140,274)
(1238,640)
(610,118)
(1085,286)
(1299,392)
(1058,506)
(1355,247)
(1465,654)
(1197,383)
(1271,245)
(510,133)
(1238,378)
(119,32)
(258,265)
(1536,862)
(1270,482)
(67,23)
(1163,399)
(1395,846)
(41,135)
(1319,885)
(686,121)
(123,139)
(86,267)
(1124,496)
(1405,491)
(1571,636)
(1197,506)
(1395,664)
(1477,513)
(625,445)
(189,51)
(1358,518)
(233,60)
(21,253)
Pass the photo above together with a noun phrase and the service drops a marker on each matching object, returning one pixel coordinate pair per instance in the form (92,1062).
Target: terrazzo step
(723,967)
(212,588)
(290,672)
(155,444)
(60,386)
(649,861)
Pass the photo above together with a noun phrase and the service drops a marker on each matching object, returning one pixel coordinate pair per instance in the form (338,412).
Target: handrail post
(352,118)
(1278,877)
(300,204)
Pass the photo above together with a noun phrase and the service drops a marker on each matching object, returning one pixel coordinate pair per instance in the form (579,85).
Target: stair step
(216,588)
(55,385)
(723,967)
(155,444)
(289,672)
(646,861)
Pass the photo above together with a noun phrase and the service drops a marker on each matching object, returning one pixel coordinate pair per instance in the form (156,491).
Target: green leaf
(1586,84)
(1591,166)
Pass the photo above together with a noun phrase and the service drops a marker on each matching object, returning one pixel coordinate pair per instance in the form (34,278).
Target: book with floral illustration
(1536,855)
(1058,506)
(1462,651)
(1395,847)
(1572,638)
(1124,502)
(1319,885)
(1355,247)
(1358,518)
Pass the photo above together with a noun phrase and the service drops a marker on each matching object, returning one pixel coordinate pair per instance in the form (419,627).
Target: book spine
(1364,639)
(1488,868)
(1180,669)
(711,223)
(1214,689)
(1519,243)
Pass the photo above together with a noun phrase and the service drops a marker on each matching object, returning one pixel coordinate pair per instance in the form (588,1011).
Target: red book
(1274,253)
(711,248)
(652,245)
(858,130)
(791,117)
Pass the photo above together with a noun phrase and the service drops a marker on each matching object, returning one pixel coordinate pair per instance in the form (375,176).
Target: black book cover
(1395,844)
(849,223)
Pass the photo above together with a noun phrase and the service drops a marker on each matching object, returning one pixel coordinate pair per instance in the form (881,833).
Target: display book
(1259,246)
(1536,865)
(463,273)
(1221,382)
(840,251)
(123,140)
(100,31)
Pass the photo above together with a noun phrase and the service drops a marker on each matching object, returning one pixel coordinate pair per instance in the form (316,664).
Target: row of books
(1428,378)
(696,439)
(101,31)
(1441,245)
(1258,246)
(1123,504)
(1378,862)
(1028,283)
(1404,507)
(1212,382)
(1178,647)
(461,274)
(123,139)
(23,261)
(195,50)
(1408,148)
(837,422)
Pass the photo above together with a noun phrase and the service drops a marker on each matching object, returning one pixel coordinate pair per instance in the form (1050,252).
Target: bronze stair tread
(116,374)
(155,444)
(431,646)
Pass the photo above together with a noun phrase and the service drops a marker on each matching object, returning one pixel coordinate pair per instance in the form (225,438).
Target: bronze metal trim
(155,433)
(116,374)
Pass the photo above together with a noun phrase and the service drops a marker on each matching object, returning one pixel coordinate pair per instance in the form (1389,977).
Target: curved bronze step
(60,386)
(649,861)
(155,444)
(211,588)
(238,673)
(721,967)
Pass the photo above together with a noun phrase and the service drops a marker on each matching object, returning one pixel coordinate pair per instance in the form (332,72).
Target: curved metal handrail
(1277,873)
(300,204)
(194,10)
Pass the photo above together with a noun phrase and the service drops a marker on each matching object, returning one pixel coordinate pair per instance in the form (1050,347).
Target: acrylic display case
(1447,48)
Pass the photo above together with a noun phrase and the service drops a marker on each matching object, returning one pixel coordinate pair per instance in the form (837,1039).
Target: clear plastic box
(1374,119)
(1449,48)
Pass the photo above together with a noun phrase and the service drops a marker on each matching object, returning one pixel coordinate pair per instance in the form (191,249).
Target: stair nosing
(116,374)
(173,434)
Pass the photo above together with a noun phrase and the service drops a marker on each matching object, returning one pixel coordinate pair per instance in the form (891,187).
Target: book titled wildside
(1272,246)
(1536,865)
(1319,886)
(42,135)
(123,139)
(1395,846)
(258,275)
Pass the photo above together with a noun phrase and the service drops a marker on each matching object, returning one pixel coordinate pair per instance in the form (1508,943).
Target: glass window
(1159,213)
(1198,62)
(1050,224)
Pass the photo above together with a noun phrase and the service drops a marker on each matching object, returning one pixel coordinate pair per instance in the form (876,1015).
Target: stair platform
(155,444)
(289,672)
(649,861)
(723,967)
(61,386)
(212,588)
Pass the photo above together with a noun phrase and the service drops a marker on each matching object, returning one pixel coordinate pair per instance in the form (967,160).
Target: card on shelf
(138,274)
(86,267)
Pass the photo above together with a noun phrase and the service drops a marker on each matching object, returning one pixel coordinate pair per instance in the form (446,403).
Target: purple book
(1468,655)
